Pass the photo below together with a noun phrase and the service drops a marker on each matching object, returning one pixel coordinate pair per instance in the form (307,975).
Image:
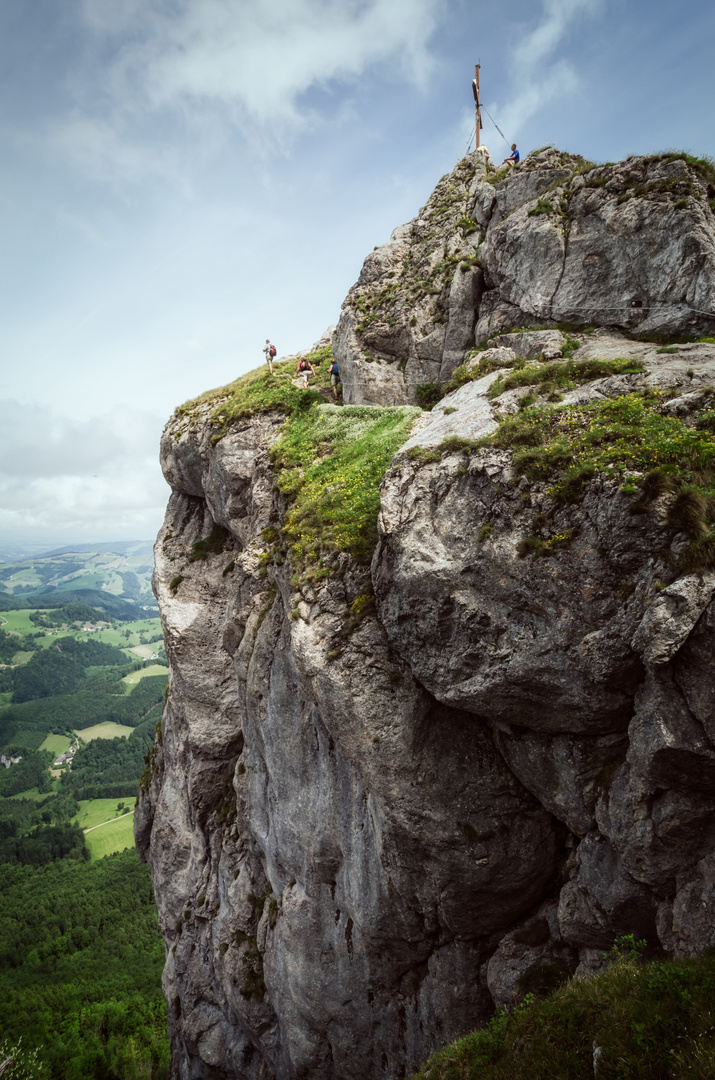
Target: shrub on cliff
(632,1021)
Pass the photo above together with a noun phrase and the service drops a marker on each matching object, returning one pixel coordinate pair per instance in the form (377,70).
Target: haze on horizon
(181,180)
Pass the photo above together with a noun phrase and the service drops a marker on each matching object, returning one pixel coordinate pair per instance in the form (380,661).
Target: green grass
(134,677)
(330,464)
(115,836)
(18,622)
(22,657)
(96,811)
(106,730)
(56,744)
(150,628)
(563,374)
(630,433)
(571,445)
(651,1022)
(258,392)
(35,795)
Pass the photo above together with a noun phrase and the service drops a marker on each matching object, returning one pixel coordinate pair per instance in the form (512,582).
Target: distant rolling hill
(115,577)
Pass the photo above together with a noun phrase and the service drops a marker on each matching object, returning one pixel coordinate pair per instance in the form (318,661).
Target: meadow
(136,676)
(56,744)
(106,839)
(94,812)
(108,729)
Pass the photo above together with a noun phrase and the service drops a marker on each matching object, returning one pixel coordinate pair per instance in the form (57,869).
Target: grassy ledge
(551,378)
(640,1021)
(260,392)
(623,435)
(330,463)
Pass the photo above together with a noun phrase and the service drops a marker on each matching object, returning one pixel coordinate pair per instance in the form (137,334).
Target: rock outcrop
(387,799)
(630,245)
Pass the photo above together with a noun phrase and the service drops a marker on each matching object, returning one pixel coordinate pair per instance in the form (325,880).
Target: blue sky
(182,178)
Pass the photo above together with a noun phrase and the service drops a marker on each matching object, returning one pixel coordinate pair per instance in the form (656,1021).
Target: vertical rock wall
(365,832)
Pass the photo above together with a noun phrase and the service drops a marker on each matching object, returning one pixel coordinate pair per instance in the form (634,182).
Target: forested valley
(81,695)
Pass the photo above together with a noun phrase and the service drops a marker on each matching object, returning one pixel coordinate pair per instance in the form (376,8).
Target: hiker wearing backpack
(303,369)
(270,351)
(334,378)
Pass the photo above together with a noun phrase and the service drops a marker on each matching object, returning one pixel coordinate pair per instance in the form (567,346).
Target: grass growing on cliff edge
(330,464)
(259,392)
(632,433)
(563,374)
(643,1022)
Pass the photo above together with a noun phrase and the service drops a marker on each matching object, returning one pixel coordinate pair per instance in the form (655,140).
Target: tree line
(80,968)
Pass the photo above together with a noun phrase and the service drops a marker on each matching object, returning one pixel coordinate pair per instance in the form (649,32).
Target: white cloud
(98,476)
(218,66)
(540,77)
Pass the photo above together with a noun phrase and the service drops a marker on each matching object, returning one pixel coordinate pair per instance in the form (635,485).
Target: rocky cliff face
(630,245)
(387,796)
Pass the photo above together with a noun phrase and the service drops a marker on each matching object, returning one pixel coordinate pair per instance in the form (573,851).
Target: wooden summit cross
(477,102)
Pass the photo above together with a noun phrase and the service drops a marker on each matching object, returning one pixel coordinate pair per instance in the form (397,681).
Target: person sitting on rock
(486,155)
(514,158)
(304,369)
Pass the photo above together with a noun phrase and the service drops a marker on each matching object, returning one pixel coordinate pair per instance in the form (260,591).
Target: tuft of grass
(428,394)
(330,463)
(213,544)
(543,206)
(535,545)
(259,392)
(650,1021)
(628,433)
(566,374)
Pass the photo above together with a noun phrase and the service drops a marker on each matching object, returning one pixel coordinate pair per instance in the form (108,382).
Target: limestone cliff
(389,793)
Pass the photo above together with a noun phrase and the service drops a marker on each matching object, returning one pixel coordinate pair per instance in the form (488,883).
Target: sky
(180,179)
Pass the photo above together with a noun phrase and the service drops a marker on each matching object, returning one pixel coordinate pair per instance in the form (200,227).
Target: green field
(129,633)
(115,836)
(106,730)
(21,658)
(95,811)
(145,651)
(151,669)
(56,744)
(18,622)
(34,794)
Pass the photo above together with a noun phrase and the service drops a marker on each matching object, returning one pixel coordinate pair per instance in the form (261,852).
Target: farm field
(18,622)
(143,652)
(96,811)
(56,744)
(115,836)
(151,669)
(34,794)
(129,635)
(108,729)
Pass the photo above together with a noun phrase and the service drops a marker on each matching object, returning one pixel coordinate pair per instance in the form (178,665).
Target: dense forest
(61,668)
(80,969)
(101,697)
(80,951)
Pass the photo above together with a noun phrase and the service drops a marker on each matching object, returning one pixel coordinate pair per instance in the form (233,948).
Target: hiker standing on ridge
(270,351)
(514,158)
